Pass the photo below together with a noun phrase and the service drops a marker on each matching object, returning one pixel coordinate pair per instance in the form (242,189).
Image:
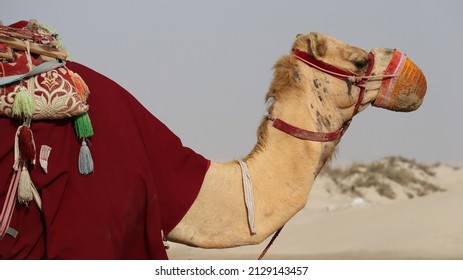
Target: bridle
(350,78)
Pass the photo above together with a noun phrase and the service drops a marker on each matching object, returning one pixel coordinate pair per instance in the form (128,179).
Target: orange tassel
(81,87)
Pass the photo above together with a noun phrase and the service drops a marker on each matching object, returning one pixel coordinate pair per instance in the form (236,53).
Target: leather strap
(274,237)
(347,76)
(307,134)
(322,66)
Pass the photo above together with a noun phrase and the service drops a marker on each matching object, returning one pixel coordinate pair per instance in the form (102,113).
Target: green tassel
(23,104)
(84,130)
(83,126)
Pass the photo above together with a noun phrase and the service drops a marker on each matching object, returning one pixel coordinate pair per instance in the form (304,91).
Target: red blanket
(144,182)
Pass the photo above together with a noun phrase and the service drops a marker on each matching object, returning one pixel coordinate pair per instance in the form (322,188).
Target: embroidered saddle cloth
(31,61)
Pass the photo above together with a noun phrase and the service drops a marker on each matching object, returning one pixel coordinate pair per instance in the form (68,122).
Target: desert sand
(417,218)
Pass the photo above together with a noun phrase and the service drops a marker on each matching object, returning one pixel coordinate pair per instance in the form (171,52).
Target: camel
(139,185)
(283,167)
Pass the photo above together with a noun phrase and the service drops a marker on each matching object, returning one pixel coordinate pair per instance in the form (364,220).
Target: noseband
(349,77)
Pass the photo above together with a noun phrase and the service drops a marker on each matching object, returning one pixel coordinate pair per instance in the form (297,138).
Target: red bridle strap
(344,75)
(307,134)
(322,66)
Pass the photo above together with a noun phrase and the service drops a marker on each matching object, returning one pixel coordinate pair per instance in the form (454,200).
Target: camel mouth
(403,85)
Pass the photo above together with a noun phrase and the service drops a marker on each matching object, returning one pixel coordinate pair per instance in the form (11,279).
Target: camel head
(333,81)
(390,79)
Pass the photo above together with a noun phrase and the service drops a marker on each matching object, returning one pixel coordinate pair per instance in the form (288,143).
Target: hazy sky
(203,67)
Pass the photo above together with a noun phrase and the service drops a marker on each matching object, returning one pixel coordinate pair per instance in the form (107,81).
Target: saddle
(56,92)
(35,84)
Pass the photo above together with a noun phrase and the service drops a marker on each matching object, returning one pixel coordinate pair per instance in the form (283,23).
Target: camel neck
(299,160)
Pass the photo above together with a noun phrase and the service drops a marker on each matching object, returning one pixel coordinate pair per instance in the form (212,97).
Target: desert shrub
(381,174)
(386,191)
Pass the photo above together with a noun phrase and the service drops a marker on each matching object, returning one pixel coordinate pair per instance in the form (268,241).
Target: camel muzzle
(403,86)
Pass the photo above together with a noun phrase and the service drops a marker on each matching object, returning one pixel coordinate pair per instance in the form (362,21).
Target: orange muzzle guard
(405,91)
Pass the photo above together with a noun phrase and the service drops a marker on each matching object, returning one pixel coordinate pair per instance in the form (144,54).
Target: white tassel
(25,187)
(85,160)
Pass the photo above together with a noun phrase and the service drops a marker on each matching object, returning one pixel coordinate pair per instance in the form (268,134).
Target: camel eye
(361,63)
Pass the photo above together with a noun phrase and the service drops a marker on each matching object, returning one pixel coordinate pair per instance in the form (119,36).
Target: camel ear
(317,44)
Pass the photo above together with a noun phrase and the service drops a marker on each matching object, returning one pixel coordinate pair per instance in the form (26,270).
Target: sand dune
(337,225)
